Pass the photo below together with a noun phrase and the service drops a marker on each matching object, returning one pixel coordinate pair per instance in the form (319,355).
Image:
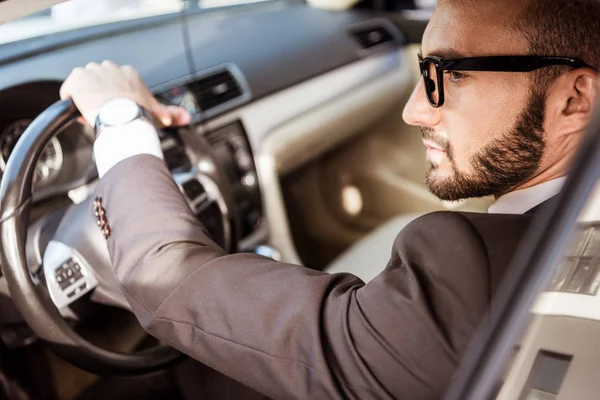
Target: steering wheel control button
(67,276)
(77,290)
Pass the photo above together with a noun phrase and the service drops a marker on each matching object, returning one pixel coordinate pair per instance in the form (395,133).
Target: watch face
(118,112)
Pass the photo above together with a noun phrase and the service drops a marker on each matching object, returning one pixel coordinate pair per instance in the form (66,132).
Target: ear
(570,101)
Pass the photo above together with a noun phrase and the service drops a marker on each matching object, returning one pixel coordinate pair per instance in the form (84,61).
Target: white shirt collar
(521,201)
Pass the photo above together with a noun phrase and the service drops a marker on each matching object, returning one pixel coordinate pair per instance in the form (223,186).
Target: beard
(501,165)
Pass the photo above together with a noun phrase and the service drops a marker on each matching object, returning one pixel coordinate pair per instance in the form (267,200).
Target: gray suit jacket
(291,332)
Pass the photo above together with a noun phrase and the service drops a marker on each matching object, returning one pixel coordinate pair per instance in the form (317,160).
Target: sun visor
(15,9)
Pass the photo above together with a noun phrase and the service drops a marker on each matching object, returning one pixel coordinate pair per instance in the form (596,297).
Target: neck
(554,164)
(557,170)
(541,179)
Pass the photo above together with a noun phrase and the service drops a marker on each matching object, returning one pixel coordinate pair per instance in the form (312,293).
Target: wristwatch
(120,111)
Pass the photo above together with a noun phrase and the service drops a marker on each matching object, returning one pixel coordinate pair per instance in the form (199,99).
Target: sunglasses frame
(490,64)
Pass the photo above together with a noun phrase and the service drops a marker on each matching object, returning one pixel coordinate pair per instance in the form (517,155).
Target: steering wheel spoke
(206,200)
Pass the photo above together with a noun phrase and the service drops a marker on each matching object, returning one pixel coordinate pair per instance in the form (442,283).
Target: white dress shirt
(521,201)
(117,143)
(140,137)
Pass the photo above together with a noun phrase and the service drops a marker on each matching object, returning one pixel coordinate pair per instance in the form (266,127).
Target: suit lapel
(542,206)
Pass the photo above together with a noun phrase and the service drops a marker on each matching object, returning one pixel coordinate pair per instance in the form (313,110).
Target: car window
(579,271)
(74,14)
(223,3)
(555,357)
(413,9)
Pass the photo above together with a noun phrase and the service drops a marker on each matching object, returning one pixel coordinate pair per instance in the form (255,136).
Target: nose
(418,111)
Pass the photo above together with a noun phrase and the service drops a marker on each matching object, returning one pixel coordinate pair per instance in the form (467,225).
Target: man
(492,126)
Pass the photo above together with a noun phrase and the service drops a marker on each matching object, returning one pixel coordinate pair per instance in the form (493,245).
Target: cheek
(468,133)
(476,116)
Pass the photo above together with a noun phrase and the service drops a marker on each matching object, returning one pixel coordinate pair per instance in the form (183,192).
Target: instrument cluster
(65,163)
(50,163)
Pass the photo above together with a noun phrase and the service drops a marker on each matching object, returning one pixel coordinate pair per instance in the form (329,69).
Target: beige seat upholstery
(367,258)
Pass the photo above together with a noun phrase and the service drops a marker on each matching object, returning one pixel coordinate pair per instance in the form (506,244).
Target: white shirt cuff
(115,144)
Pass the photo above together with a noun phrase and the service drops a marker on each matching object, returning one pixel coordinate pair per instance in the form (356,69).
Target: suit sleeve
(285,330)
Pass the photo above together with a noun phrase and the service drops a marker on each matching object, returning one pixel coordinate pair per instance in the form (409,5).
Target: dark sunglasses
(432,69)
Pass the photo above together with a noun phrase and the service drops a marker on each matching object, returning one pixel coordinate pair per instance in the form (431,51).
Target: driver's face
(487,138)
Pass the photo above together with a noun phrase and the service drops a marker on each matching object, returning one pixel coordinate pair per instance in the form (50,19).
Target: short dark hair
(561,28)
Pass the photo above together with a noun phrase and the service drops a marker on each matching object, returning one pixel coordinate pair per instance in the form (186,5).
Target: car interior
(297,151)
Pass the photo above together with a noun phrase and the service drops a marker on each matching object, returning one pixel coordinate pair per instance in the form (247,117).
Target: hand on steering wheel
(96,84)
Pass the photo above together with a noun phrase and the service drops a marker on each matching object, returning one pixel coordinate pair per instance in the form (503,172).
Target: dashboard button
(243,160)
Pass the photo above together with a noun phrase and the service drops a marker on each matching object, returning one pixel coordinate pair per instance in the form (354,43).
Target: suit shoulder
(448,262)
(487,229)
(437,218)
(440,227)
(449,243)
(442,238)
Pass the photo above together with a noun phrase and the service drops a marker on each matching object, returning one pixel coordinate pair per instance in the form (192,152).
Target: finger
(92,65)
(180,115)
(128,70)
(162,114)
(142,92)
(65,89)
(109,64)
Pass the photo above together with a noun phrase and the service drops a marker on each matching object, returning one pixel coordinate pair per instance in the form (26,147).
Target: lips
(433,146)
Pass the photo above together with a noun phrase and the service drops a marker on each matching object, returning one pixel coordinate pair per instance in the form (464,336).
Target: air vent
(373,36)
(215,89)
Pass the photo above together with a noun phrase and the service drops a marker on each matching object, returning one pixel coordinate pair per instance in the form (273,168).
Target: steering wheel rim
(35,305)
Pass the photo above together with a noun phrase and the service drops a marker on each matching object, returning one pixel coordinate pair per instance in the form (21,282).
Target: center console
(232,151)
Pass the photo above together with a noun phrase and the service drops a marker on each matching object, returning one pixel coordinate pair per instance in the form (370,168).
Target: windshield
(76,14)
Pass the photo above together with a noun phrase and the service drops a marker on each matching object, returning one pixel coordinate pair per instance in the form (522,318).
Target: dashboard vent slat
(215,89)
(371,37)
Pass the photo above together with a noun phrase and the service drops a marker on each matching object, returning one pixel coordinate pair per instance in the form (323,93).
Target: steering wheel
(71,254)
